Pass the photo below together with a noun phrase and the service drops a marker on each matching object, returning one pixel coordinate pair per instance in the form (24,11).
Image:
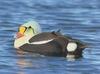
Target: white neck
(21,41)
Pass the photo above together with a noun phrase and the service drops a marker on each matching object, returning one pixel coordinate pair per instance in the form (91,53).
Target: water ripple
(77,18)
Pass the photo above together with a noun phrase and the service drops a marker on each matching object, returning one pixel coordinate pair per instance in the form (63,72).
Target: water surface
(77,18)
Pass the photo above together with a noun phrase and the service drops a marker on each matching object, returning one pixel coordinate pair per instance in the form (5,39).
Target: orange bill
(18,35)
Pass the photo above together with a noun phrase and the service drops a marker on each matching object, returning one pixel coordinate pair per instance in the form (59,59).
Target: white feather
(70,56)
(21,41)
(71,47)
(42,42)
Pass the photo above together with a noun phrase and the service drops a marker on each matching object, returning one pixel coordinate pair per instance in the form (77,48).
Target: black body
(57,47)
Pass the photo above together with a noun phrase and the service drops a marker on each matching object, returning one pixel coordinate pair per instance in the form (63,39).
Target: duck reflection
(23,62)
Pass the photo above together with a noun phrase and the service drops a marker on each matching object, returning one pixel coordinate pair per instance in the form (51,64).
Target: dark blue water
(77,18)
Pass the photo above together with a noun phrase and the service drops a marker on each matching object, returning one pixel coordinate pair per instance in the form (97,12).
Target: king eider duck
(30,39)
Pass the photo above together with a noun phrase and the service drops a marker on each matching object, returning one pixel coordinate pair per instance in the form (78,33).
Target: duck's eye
(29,27)
(71,47)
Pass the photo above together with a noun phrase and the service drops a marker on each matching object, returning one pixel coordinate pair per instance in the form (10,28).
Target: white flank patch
(42,42)
(71,47)
(70,56)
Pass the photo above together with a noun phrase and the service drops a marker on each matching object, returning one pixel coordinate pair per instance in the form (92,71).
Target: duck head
(25,32)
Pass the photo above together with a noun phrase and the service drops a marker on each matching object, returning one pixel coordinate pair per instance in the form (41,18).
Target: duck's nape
(25,32)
